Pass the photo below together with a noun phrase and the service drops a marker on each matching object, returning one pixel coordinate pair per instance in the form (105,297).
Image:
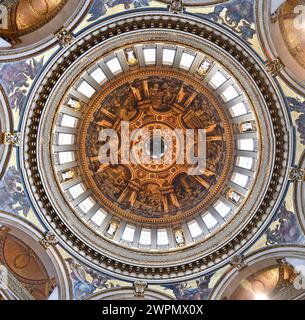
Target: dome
(27,25)
(145,210)
(281,32)
(269,274)
(28,270)
(155,189)
(152,150)
(26,16)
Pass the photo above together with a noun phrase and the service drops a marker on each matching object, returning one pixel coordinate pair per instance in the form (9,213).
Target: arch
(258,263)
(16,43)
(128,293)
(276,38)
(22,237)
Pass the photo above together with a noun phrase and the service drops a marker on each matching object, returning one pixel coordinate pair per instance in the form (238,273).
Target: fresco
(286,230)
(85,281)
(99,7)
(238,15)
(297,105)
(12,195)
(17,78)
(186,291)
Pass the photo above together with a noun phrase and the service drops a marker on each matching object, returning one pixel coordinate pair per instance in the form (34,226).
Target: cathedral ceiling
(234,231)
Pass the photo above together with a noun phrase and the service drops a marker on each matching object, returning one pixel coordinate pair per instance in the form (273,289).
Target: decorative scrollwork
(176,6)
(139,288)
(297,174)
(238,262)
(64,36)
(274,66)
(12,138)
(48,240)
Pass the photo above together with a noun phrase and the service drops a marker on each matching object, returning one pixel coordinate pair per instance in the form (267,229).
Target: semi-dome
(281,31)
(29,26)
